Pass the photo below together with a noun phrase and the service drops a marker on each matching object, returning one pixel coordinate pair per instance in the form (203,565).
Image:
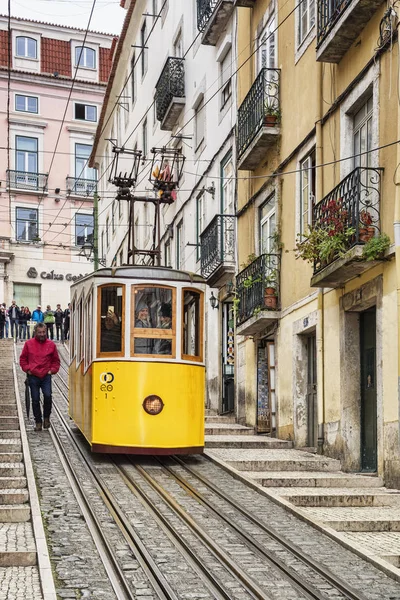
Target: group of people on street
(18,322)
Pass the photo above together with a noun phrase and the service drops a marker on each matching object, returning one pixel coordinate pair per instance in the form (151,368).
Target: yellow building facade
(318,177)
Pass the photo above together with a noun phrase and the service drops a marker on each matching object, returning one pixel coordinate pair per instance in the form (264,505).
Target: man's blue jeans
(36,384)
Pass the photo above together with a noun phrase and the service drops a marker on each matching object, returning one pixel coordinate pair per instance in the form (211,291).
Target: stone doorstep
(12,470)
(370,526)
(220,419)
(315,480)
(222,429)
(12,483)
(284,465)
(15,513)
(17,545)
(244,441)
(393,559)
(14,496)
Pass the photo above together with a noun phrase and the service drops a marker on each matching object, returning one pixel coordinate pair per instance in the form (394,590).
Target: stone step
(244,441)
(8,410)
(17,545)
(12,483)
(11,457)
(231,419)
(14,496)
(357,519)
(356,498)
(14,513)
(8,434)
(12,469)
(10,445)
(227,429)
(9,423)
(291,479)
(277,460)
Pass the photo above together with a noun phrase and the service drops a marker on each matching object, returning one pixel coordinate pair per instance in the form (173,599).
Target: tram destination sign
(32,273)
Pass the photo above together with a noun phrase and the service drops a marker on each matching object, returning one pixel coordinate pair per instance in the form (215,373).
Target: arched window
(26,47)
(85,57)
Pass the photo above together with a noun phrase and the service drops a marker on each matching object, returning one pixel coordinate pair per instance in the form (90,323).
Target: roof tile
(105,64)
(56,57)
(4,48)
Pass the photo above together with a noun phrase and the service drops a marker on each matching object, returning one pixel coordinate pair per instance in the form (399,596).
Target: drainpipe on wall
(319,159)
(396,228)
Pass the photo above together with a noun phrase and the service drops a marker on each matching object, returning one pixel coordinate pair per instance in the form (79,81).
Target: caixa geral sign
(33,273)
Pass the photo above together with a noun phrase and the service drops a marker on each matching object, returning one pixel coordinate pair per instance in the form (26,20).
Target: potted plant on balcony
(270,295)
(272,116)
(365,229)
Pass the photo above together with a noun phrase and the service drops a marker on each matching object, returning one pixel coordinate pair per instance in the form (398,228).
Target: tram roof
(143,272)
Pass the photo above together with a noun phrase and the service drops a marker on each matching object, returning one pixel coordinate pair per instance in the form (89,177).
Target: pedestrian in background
(7,319)
(39,360)
(48,319)
(59,316)
(24,317)
(2,321)
(37,315)
(67,316)
(14,313)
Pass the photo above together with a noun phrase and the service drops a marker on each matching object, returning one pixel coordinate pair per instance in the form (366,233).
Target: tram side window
(153,310)
(191,324)
(111,318)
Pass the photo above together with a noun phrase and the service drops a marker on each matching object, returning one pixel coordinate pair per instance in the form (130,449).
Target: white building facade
(173,84)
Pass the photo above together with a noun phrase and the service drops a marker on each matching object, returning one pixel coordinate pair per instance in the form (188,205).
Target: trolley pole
(95,231)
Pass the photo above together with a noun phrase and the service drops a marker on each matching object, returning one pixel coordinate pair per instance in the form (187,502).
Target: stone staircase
(354,508)
(17,544)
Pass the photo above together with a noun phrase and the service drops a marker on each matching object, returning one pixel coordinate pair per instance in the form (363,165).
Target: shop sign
(32,273)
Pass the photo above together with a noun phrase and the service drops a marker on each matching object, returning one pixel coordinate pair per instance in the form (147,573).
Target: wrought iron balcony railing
(329,12)
(217,244)
(350,211)
(81,187)
(24,180)
(257,287)
(171,84)
(261,103)
(205,9)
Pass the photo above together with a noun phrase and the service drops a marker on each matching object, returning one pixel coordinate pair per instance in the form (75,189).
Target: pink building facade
(47,187)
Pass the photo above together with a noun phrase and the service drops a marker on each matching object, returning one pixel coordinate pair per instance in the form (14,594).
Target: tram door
(228,358)
(368,391)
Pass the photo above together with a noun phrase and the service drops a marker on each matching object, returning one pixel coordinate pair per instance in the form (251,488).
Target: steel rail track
(160,585)
(349,592)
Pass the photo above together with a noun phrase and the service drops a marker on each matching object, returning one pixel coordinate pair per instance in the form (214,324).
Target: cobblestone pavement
(20,583)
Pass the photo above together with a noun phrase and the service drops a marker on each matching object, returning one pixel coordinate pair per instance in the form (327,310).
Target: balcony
(170,93)
(339,24)
(351,208)
(76,186)
(257,289)
(217,244)
(259,120)
(213,16)
(24,180)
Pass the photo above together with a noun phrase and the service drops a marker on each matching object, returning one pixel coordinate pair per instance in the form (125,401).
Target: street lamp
(213,301)
(87,250)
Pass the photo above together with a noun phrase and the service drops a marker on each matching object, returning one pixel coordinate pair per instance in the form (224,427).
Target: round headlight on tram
(153,405)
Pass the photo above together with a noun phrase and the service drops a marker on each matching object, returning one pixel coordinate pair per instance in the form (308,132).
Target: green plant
(324,245)
(376,247)
(273,111)
(251,258)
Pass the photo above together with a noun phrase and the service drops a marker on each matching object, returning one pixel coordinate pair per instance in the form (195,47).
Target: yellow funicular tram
(137,373)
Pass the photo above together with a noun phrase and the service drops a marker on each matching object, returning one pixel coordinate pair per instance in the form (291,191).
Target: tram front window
(111,319)
(153,308)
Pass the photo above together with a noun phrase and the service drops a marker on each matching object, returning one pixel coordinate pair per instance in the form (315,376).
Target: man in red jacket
(39,359)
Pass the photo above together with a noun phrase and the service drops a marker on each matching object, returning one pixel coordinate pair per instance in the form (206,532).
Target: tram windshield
(154,318)
(111,315)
